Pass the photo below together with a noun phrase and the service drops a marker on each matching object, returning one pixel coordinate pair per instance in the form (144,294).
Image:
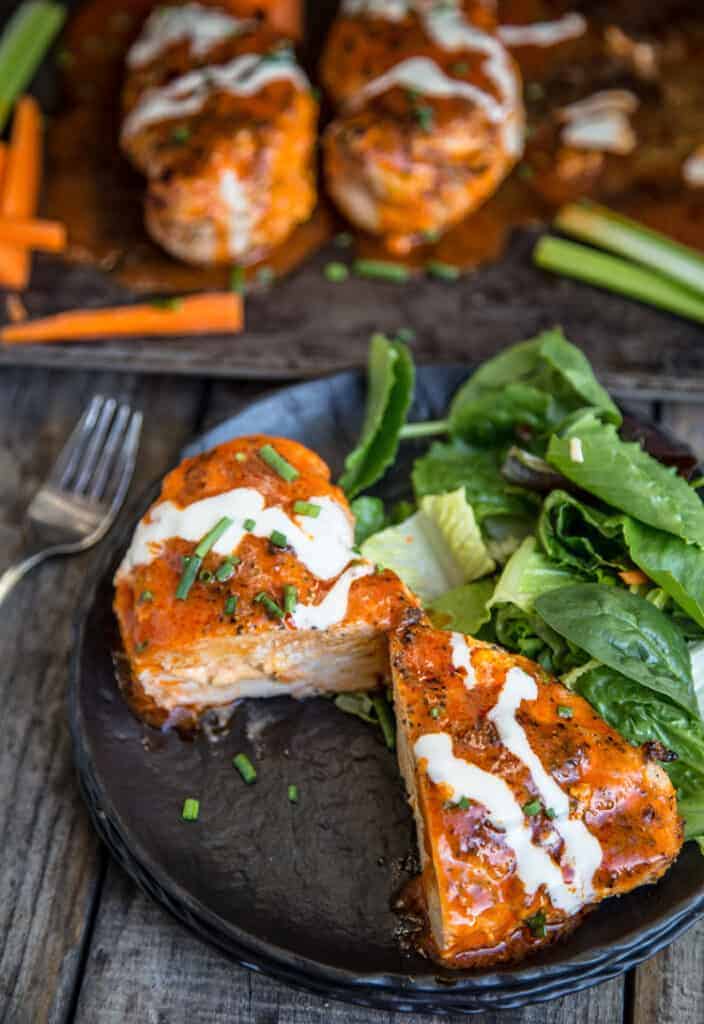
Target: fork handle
(15,572)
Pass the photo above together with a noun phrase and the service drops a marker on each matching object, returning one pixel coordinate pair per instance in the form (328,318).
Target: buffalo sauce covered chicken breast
(530,809)
(241,580)
(222,121)
(430,114)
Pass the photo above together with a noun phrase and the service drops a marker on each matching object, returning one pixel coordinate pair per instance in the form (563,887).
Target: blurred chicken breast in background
(279,602)
(430,115)
(221,119)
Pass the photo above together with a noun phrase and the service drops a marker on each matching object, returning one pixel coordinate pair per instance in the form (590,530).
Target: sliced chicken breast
(221,119)
(278,602)
(430,115)
(530,809)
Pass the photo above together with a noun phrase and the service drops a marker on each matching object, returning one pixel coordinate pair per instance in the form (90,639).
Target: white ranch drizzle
(462,658)
(333,608)
(186,95)
(601,122)
(693,168)
(389,10)
(544,33)
(202,27)
(427,78)
(534,865)
(234,195)
(323,545)
(582,850)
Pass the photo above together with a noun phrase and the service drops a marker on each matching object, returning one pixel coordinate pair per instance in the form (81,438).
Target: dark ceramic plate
(304,892)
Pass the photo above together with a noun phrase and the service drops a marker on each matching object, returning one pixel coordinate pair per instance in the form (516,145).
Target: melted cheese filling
(188,94)
(201,27)
(323,545)
(534,865)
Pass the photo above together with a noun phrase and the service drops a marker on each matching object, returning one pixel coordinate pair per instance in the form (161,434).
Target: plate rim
(385,990)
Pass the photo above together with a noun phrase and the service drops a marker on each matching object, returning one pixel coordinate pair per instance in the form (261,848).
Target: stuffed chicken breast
(530,809)
(241,580)
(430,115)
(221,119)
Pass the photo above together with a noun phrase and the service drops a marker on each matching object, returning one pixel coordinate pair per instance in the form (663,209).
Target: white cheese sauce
(201,27)
(544,33)
(187,94)
(534,865)
(323,545)
(582,849)
(462,658)
(333,608)
(239,212)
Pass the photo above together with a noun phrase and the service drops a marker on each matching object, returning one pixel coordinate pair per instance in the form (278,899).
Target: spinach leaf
(625,632)
(369,515)
(676,566)
(463,609)
(390,377)
(527,633)
(533,384)
(640,715)
(621,474)
(447,466)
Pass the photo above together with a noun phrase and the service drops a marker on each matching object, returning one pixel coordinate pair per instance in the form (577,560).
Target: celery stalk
(27,36)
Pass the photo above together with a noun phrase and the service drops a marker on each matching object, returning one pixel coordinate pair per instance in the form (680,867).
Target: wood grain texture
(145,967)
(50,860)
(305,325)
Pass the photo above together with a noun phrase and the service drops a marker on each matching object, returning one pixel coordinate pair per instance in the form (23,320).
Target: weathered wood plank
(669,989)
(50,855)
(144,966)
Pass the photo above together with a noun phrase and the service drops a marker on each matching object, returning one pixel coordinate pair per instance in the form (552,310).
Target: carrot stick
(20,191)
(46,235)
(211,312)
(3,163)
(633,577)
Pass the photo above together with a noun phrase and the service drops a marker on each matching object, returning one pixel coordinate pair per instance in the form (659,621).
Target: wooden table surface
(78,942)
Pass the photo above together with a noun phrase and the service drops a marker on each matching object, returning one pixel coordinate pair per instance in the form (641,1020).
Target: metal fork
(78,502)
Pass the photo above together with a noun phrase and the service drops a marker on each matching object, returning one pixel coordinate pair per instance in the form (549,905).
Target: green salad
(534,525)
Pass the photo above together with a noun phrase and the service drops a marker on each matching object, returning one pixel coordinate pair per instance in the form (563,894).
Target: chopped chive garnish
(306,508)
(180,134)
(191,809)
(245,767)
(293,794)
(381,270)
(536,923)
(290,599)
(171,302)
(272,608)
(226,570)
(460,67)
(435,712)
(265,275)
(231,605)
(551,813)
(462,804)
(343,239)
(205,575)
(278,539)
(146,597)
(191,565)
(238,283)
(525,171)
(336,271)
(141,646)
(214,536)
(531,808)
(386,720)
(564,711)
(278,463)
(249,525)
(443,271)
(425,116)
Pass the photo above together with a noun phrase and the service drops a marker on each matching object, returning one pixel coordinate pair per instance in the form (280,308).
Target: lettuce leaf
(463,609)
(622,474)
(436,549)
(528,574)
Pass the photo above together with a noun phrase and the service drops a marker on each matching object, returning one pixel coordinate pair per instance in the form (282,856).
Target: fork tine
(109,453)
(123,469)
(71,453)
(95,444)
